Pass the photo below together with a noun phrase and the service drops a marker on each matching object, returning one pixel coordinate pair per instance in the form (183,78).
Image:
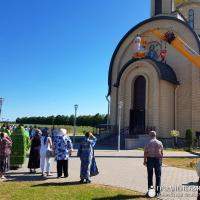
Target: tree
(189,138)
(82,120)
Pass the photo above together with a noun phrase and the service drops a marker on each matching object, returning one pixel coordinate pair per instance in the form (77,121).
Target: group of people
(40,143)
(45,147)
(59,146)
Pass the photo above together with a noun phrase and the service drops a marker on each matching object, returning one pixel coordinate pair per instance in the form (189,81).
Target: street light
(75,108)
(119,122)
(53,120)
(108,114)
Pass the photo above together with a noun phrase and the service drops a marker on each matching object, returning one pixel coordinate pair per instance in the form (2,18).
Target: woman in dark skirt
(34,157)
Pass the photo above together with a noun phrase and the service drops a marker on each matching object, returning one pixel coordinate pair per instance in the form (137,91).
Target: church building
(161,90)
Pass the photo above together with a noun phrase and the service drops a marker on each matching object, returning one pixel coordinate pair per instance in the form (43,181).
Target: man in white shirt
(153,154)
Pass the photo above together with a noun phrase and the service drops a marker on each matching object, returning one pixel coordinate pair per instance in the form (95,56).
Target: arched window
(191,18)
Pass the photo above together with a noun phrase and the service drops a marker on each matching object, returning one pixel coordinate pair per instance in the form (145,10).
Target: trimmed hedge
(189,138)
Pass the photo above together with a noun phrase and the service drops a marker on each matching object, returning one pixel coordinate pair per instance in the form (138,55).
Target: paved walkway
(123,169)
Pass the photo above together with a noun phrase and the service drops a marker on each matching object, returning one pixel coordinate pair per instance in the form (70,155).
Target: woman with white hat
(63,148)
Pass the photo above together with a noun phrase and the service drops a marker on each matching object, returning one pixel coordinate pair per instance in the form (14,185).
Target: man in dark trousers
(153,154)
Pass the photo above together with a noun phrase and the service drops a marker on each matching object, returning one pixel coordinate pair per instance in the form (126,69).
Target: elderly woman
(86,154)
(63,148)
(5,150)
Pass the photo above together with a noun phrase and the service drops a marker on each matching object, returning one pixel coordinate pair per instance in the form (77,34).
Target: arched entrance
(137,113)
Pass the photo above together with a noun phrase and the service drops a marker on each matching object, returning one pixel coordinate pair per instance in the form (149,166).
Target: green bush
(189,138)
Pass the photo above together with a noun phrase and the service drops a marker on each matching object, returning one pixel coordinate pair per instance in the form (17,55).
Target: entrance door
(137,114)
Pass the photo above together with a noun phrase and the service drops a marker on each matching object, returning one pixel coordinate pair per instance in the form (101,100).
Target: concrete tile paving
(124,169)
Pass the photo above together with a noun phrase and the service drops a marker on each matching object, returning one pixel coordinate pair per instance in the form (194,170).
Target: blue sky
(54,54)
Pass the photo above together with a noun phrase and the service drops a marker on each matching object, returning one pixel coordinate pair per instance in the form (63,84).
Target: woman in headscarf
(63,148)
(86,154)
(34,156)
(5,151)
(46,145)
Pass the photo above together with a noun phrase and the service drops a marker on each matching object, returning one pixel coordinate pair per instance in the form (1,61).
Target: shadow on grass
(15,173)
(25,173)
(121,197)
(23,177)
(57,184)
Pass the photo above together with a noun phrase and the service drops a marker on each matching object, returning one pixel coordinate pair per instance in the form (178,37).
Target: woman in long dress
(86,154)
(34,156)
(5,151)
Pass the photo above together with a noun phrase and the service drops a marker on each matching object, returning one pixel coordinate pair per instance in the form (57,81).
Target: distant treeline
(84,120)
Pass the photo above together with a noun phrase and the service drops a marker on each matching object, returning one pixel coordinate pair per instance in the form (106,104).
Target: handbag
(50,153)
(93,169)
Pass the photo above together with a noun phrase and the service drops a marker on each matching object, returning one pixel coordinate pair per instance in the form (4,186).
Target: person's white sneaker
(151,192)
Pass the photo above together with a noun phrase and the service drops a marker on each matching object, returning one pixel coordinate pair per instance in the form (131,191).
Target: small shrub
(175,134)
(189,138)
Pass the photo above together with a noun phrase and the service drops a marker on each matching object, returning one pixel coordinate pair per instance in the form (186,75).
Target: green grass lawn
(167,149)
(64,191)
(185,163)
(182,149)
(177,149)
(80,130)
(174,149)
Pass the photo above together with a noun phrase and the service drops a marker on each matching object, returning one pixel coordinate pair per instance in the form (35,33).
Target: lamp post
(119,122)
(108,114)
(75,109)
(53,120)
